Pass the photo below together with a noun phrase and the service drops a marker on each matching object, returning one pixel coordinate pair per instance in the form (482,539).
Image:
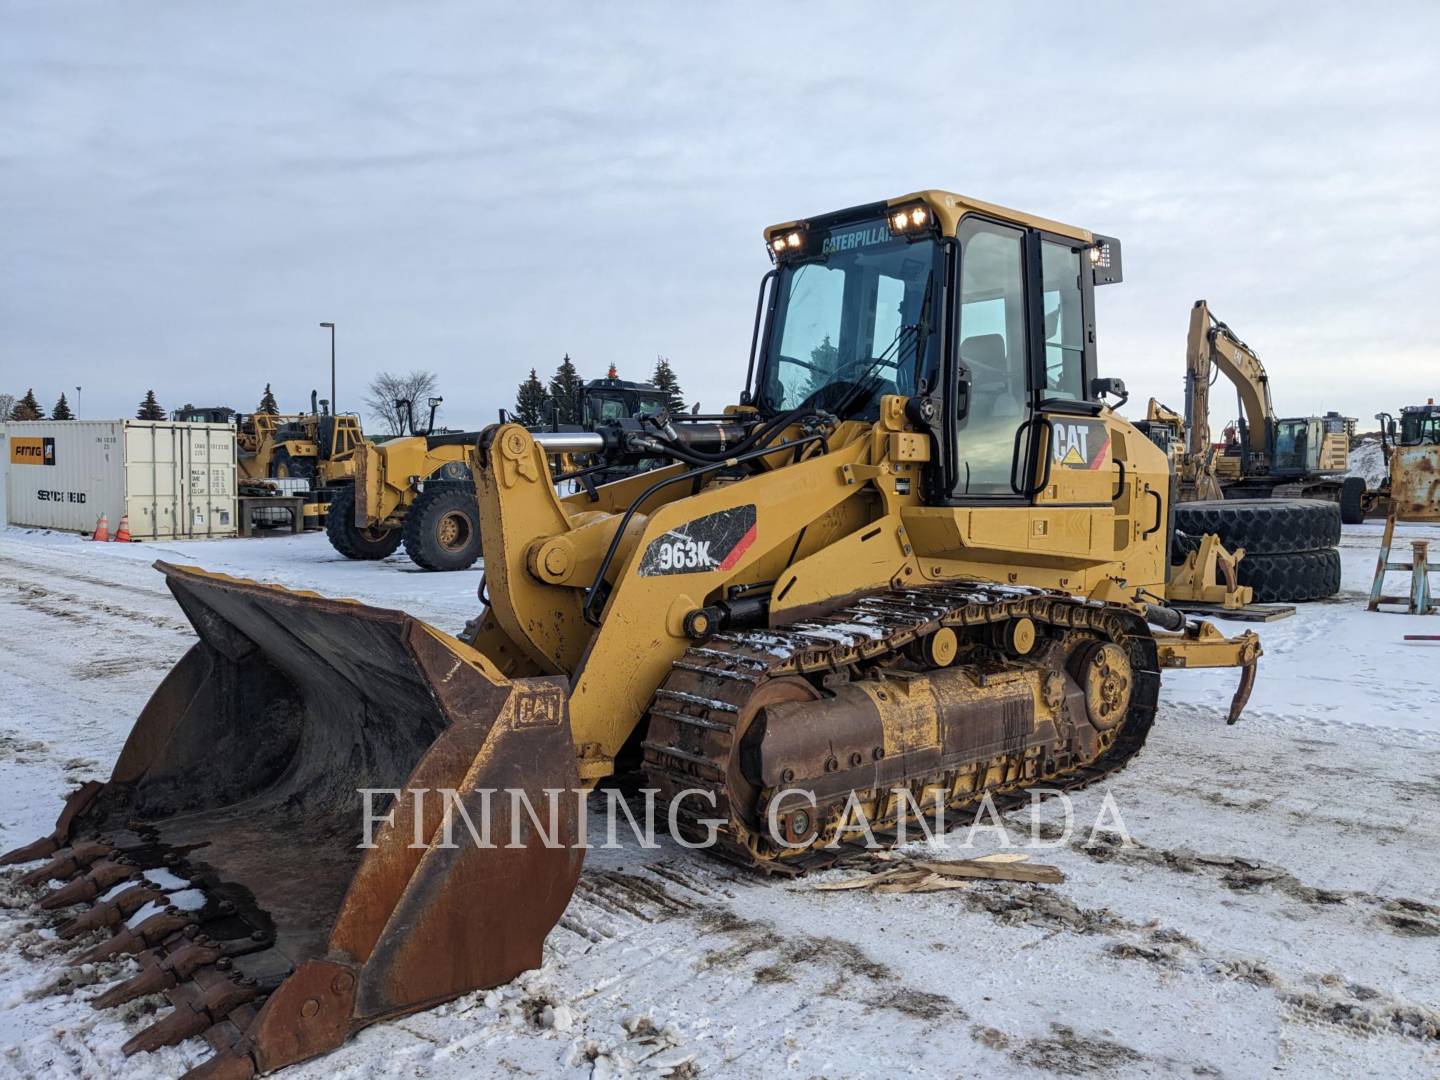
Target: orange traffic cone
(123,532)
(102,529)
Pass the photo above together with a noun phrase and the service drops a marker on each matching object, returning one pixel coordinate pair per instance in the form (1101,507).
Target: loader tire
(286,467)
(1294,577)
(442,528)
(347,538)
(1261,526)
(1352,500)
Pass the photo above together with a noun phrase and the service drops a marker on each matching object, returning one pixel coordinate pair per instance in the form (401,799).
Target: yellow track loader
(920,562)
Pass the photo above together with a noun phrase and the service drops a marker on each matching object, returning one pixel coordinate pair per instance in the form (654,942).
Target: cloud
(186,192)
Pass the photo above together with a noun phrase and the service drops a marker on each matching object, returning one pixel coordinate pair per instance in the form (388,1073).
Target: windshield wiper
(862,387)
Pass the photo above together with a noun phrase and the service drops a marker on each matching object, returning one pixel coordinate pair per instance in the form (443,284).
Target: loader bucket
(225,850)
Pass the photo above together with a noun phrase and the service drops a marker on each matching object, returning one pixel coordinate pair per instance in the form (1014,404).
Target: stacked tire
(1291,545)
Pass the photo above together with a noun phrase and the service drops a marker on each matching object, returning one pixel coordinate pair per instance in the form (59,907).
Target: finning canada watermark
(793,818)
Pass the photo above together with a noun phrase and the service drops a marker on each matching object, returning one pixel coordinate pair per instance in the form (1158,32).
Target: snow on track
(1278,911)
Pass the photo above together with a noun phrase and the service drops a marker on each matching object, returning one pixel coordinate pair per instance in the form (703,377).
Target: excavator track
(699,715)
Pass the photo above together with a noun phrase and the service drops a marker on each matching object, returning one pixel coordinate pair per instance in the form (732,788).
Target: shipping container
(173,480)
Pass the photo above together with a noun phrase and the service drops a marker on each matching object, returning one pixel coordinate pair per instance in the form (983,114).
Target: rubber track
(691,721)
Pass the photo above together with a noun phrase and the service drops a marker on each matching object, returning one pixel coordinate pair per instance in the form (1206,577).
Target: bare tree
(389,388)
(7,405)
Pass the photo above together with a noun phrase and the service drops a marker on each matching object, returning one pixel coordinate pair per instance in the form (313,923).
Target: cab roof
(949,208)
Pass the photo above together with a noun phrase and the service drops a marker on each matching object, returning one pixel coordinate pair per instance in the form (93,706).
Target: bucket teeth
(152,980)
(67,862)
(136,939)
(188,1019)
(98,879)
(46,845)
(161,975)
(109,912)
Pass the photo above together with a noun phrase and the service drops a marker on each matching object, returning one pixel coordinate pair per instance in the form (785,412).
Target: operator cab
(983,314)
(618,399)
(1420,425)
(203,414)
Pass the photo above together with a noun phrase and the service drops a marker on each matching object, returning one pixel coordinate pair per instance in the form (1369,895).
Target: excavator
(920,562)
(1303,457)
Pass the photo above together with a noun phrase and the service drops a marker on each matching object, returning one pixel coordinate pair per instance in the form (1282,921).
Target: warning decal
(1079,444)
(713,542)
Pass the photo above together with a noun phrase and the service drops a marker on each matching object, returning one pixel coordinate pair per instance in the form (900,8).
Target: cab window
(1064,322)
(993,356)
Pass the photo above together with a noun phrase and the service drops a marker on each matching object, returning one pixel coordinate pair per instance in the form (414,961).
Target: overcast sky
(186,190)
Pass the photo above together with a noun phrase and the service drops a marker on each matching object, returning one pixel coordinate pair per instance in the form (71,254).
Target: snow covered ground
(1277,912)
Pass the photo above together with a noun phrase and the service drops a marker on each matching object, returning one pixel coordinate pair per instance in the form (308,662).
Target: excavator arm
(1212,345)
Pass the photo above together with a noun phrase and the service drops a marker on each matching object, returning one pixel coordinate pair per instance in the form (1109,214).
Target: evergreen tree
(62,409)
(823,358)
(150,409)
(27,408)
(530,401)
(565,391)
(664,378)
(267,403)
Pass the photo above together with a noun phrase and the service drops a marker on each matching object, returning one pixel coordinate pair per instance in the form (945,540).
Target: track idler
(225,853)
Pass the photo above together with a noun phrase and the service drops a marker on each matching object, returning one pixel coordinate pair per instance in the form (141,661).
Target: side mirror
(1100,388)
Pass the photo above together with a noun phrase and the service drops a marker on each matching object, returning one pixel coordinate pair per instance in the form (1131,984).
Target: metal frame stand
(1419,601)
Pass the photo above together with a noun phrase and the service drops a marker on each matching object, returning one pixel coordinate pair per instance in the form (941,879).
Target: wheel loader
(316,446)
(417,489)
(413,489)
(919,561)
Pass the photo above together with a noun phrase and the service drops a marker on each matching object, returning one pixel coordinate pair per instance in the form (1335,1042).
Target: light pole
(331,327)
(77,403)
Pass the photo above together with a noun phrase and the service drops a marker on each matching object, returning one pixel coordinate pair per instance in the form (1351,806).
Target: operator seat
(991,392)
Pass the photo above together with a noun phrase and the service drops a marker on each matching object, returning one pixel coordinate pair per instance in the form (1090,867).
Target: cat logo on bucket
(1079,444)
(32,450)
(542,705)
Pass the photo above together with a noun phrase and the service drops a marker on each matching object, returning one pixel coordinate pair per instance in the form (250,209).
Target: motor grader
(1411,449)
(919,561)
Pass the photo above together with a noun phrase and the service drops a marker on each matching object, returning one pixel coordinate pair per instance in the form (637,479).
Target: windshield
(1417,428)
(852,325)
(620,405)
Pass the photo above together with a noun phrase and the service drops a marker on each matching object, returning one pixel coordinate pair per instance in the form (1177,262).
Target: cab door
(992,392)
